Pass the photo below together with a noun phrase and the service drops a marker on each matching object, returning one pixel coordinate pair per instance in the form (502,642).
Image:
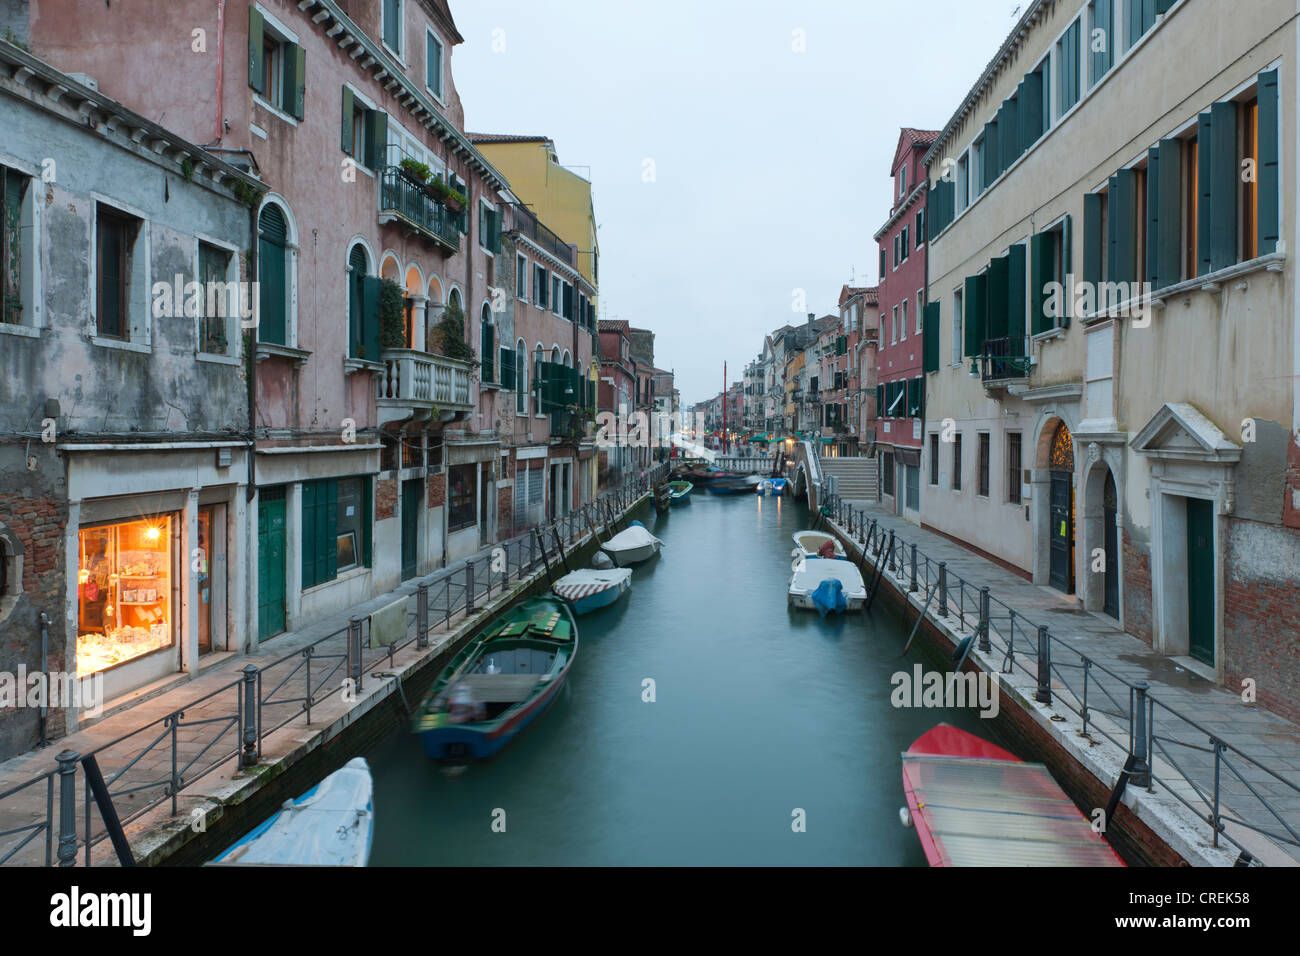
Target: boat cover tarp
(631,538)
(584,582)
(829,597)
(330,826)
(979,812)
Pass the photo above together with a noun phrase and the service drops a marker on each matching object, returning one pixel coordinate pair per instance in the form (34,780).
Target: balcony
(526,224)
(998,365)
(420,385)
(405,202)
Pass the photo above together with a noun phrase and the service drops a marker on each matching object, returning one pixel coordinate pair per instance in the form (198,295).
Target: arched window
(566,361)
(273,275)
(521,376)
(487,344)
(1062,453)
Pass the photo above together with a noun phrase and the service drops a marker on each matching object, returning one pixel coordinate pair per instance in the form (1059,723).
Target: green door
(270,562)
(1200,579)
(411,498)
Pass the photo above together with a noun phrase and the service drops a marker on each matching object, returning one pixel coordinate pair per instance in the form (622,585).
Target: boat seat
(501,688)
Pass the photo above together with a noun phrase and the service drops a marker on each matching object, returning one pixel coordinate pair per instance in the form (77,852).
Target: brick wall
(1137,589)
(437,490)
(1261,631)
(33,522)
(385,498)
(505,512)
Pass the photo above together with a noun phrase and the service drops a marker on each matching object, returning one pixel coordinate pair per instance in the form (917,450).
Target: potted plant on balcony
(449,335)
(415,170)
(456,200)
(392,315)
(438,189)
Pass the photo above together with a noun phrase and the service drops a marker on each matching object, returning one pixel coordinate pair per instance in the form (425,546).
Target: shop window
(336,528)
(461,481)
(351,523)
(125,592)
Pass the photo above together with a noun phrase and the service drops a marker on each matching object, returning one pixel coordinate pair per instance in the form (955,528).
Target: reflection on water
(759,711)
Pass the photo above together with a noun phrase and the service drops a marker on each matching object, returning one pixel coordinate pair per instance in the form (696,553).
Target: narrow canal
(759,710)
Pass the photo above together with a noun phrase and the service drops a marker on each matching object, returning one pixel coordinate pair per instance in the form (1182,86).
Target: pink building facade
(901,306)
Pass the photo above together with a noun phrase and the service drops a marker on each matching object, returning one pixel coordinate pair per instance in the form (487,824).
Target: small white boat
(589,589)
(827,586)
(332,824)
(810,543)
(632,545)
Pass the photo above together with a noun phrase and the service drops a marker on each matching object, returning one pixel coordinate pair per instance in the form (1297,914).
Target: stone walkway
(1119,660)
(134,746)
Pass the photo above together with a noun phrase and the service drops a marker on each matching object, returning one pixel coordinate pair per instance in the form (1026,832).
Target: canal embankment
(194,768)
(1208,759)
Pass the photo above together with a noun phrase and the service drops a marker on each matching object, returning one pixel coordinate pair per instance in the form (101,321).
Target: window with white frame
(521,277)
(17,253)
(902,328)
(121,276)
(540,285)
(392,25)
(920,309)
(433,64)
(893,326)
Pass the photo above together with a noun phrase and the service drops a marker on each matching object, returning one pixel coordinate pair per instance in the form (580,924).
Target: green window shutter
(1009,128)
(345,137)
(997,292)
(1016,278)
(1093,241)
(377,145)
(930,338)
(367,521)
(1204,136)
(486,347)
(991,168)
(880,401)
(1267,171)
(1067,247)
(1101,59)
(1223,185)
(1031,109)
(1169,268)
(256,55)
(309,545)
(1123,219)
(1153,217)
(271,274)
(368,345)
(974,319)
(507,368)
(1134,21)
(1041,273)
(295,79)
(913,397)
(327,530)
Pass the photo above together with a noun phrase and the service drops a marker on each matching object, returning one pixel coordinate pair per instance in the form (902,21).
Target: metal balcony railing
(403,199)
(526,224)
(997,363)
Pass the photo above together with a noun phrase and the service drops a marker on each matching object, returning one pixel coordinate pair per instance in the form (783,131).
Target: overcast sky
(770,166)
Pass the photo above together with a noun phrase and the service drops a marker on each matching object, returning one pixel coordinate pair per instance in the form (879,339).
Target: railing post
(422,609)
(68,807)
(984,620)
(354,653)
(469,587)
(248,756)
(1044,692)
(912,586)
(889,555)
(1141,775)
(943,588)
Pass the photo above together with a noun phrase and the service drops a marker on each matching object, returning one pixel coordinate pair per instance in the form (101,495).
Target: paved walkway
(138,756)
(1262,735)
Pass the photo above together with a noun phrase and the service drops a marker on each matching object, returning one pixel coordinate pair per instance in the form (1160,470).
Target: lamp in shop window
(151,533)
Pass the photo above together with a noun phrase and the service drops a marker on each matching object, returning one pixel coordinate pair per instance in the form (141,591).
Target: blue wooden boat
(332,824)
(590,589)
(499,682)
(770,486)
(679,493)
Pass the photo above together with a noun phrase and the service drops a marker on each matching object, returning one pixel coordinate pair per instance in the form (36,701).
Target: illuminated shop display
(124,602)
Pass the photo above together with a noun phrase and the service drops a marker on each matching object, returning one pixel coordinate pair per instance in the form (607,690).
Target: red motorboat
(975,804)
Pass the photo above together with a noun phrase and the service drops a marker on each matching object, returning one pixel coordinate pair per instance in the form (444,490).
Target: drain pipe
(45,659)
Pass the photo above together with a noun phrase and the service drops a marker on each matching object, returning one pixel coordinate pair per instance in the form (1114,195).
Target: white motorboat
(332,824)
(632,545)
(810,543)
(589,589)
(826,585)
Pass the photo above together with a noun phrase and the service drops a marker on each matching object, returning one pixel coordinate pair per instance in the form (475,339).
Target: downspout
(251,384)
(221,60)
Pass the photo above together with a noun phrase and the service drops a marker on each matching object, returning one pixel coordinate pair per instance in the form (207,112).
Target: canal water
(759,710)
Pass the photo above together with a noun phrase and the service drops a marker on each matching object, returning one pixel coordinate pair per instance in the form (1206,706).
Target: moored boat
(332,824)
(730,484)
(827,586)
(811,543)
(499,682)
(632,545)
(679,493)
(770,486)
(590,589)
(975,804)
